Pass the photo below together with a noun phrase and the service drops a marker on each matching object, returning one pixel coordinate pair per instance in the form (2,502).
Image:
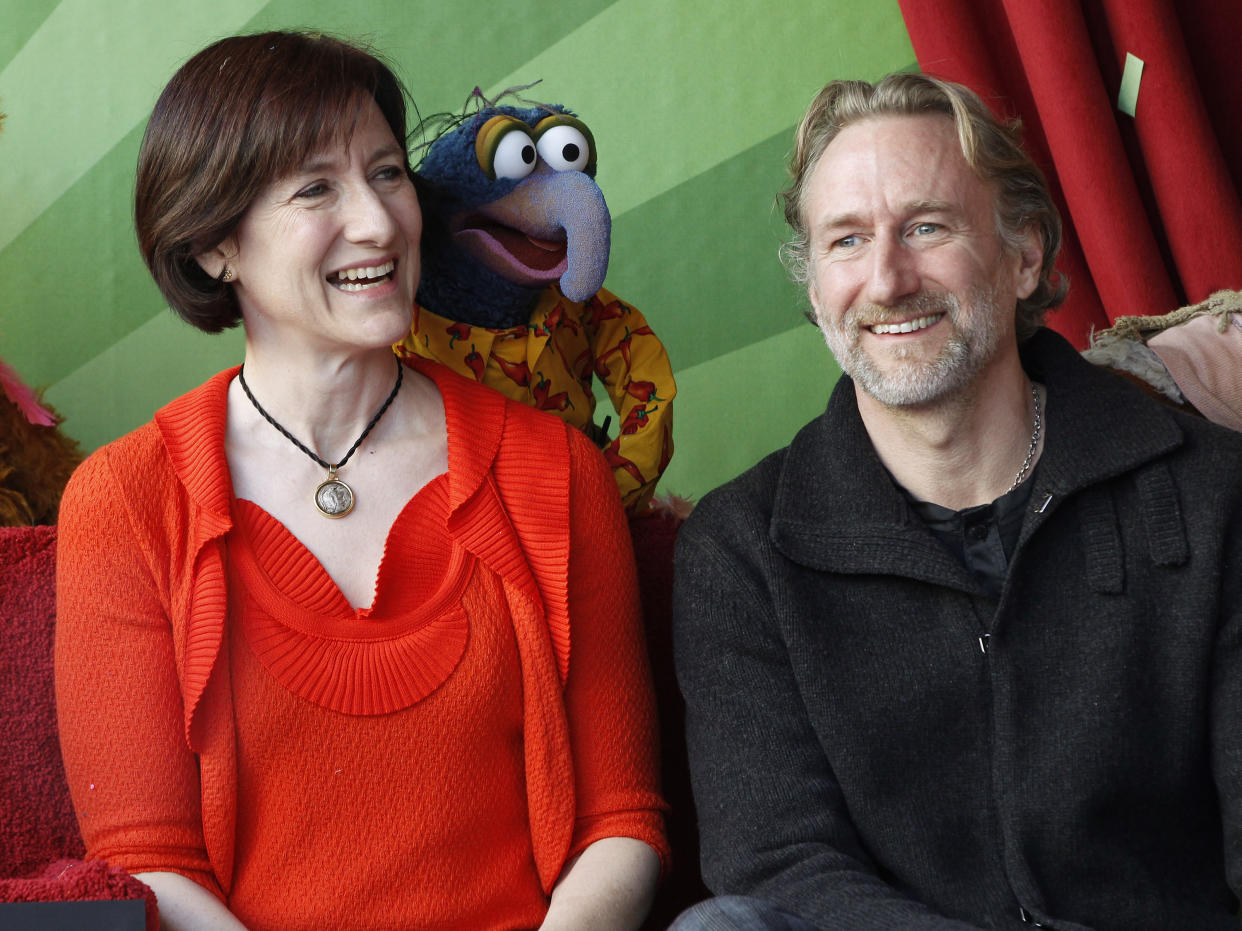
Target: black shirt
(983,537)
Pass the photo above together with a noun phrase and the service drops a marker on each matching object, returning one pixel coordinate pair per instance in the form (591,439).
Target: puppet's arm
(631,363)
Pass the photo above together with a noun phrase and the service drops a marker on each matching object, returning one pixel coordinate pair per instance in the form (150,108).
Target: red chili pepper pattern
(476,363)
(565,344)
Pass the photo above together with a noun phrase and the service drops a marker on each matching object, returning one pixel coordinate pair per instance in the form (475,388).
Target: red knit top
(437,686)
(434,760)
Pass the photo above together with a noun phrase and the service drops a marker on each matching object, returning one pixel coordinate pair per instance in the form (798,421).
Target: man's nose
(893,274)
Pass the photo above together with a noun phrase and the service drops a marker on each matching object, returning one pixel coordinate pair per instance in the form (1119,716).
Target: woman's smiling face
(328,256)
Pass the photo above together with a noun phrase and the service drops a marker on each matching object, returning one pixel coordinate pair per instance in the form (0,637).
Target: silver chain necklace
(1036,432)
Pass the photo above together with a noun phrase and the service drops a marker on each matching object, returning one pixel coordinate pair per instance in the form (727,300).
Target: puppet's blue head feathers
(511,207)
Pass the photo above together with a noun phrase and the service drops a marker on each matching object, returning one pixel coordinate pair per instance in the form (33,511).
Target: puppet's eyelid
(505,149)
(565,144)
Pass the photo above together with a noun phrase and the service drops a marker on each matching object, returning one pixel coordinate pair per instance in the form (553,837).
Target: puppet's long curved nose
(551,204)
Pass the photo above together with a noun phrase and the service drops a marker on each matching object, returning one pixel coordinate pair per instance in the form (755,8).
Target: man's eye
(926,229)
(845,242)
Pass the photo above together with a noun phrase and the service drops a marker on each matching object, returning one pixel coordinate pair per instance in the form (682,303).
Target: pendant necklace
(333,497)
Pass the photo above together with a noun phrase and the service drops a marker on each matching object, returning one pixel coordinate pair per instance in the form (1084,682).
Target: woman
(342,643)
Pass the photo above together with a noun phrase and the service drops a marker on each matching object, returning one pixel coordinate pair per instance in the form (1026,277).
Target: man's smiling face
(910,281)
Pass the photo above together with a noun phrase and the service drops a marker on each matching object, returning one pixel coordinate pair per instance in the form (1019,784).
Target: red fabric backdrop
(1153,217)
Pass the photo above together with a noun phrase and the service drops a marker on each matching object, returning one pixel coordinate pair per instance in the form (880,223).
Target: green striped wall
(692,105)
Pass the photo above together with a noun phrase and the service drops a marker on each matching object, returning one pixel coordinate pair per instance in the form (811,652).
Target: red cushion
(38,825)
(81,881)
(653,536)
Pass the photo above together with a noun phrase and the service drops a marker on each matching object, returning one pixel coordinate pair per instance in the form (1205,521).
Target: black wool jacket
(876,744)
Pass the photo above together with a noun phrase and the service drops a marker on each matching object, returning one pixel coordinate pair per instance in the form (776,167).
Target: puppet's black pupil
(528,154)
(570,152)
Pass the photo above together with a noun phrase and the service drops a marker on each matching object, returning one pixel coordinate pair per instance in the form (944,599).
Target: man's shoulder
(1112,397)
(748,496)
(753,497)
(1201,431)
(1210,457)
(805,474)
(1105,432)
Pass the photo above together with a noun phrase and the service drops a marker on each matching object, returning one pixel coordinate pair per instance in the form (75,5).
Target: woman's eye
(312,190)
(390,173)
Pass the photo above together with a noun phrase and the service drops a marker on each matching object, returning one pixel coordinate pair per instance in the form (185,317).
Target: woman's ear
(215,261)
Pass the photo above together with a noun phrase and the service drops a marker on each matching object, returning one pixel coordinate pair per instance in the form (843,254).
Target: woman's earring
(228,274)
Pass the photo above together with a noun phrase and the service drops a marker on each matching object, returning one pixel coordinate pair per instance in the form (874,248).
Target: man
(968,653)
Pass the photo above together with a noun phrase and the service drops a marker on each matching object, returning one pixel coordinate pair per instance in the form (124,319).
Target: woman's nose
(369,219)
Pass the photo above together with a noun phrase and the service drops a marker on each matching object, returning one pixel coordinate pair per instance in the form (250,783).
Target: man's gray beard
(970,347)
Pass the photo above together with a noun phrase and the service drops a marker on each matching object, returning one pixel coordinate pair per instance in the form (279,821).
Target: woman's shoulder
(137,453)
(143,462)
(118,489)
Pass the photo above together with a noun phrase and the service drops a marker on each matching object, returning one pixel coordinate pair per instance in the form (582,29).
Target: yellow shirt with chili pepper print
(548,363)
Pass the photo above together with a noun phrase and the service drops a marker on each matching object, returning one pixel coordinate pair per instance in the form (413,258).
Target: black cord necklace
(333,497)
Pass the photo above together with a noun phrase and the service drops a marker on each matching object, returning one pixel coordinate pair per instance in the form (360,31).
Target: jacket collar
(837,509)
(1099,425)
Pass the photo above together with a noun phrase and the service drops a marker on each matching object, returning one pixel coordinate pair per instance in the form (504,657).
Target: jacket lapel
(1091,436)
(837,509)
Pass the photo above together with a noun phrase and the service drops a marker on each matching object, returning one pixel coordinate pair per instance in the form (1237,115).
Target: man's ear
(1030,261)
(213,260)
(813,296)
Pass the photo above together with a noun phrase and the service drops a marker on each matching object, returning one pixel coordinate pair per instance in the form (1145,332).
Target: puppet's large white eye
(515,155)
(504,148)
(565,144)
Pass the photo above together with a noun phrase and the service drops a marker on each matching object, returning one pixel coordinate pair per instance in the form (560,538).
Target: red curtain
(1150,203)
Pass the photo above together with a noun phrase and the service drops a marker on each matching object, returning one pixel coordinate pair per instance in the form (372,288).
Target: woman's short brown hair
(239,115)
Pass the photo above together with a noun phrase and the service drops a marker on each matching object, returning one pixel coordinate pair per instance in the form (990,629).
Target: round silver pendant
(334,498)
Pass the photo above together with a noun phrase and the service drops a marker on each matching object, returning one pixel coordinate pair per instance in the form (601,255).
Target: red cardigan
(142,602)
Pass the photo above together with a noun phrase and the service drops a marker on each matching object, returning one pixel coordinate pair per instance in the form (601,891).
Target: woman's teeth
(907,326)
(362,278)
